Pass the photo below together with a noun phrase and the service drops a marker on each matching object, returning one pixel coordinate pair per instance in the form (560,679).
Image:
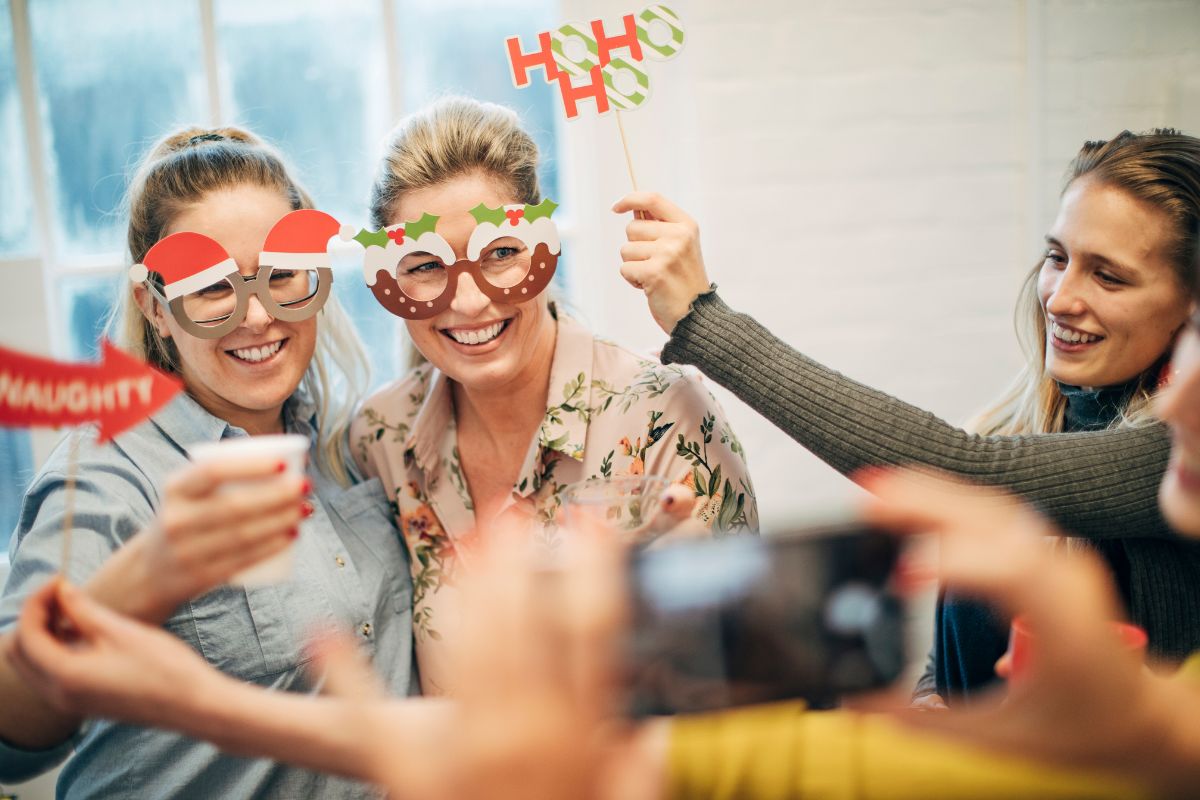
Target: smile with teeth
(254,355)
(478,335)
(1071,336)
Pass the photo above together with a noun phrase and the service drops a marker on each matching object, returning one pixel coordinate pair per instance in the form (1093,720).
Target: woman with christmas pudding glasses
(1099,311)
(230,292)
(511,399)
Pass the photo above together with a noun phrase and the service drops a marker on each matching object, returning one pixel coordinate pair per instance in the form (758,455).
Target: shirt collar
(186,422)
(568,403)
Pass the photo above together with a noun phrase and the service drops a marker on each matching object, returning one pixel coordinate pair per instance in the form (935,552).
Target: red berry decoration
(397,235)
(514,214)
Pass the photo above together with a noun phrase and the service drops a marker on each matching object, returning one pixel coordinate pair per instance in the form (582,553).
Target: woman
(161,550)
(513,400)
(1100,311)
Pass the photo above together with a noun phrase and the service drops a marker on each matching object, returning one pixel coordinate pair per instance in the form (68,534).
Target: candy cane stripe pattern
(599,63)
(662,18)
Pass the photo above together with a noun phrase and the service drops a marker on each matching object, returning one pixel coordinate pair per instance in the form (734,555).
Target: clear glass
(16,468)
(630,504)
(113,77)
(16,202)
(85,302)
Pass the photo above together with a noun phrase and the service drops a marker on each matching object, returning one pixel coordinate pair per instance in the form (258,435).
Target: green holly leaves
(483,214)
(542,209)
(409,230)
(425,224)
(498,216)
(368,238)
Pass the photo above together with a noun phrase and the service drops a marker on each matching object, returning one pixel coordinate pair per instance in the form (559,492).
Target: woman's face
(481,344)
(1112,300)
(1179,405)
(257,366)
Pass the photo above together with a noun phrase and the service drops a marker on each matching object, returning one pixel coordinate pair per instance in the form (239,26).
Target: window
(323,82)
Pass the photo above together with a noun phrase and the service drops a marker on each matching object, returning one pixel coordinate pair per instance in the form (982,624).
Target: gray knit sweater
(1101,485)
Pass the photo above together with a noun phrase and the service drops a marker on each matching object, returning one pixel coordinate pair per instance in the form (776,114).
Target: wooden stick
(625,145)
(69,514)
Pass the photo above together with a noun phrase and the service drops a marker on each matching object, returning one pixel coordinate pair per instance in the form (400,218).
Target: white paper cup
(291,449)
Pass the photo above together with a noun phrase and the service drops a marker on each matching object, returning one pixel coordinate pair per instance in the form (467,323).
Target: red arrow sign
(119,392)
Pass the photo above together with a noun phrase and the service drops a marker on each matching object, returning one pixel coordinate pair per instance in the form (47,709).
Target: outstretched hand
(85,659)
(1087,700)
(662,256)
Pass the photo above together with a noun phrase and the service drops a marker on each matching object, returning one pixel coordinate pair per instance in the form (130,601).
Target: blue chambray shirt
(351,571)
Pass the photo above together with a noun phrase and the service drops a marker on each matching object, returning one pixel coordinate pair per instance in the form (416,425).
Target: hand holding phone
(749,619)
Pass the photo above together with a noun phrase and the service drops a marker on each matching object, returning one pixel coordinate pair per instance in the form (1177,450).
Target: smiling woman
(513,400)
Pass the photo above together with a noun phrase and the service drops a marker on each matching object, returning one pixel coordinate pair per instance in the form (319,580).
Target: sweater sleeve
(785,752)
(1094,485)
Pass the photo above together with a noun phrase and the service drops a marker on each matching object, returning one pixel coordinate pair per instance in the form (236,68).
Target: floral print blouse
(609,413)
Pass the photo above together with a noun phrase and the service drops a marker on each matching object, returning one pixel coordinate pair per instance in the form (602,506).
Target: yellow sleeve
(782,751)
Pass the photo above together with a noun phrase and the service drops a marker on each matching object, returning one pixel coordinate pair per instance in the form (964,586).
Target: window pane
(310,77)
(85,302)
(16,467)
(16,205)
(114,77)
(457,46)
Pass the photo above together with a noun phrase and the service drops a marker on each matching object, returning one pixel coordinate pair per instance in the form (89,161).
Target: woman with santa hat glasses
(229,292)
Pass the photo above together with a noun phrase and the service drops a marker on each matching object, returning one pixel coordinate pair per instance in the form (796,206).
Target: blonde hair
(451,137)
(179,170)
(1161,167)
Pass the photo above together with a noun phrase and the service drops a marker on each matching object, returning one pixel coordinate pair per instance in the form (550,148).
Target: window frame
(55,266)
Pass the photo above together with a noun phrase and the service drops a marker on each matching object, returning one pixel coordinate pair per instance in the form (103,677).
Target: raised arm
(1094,485)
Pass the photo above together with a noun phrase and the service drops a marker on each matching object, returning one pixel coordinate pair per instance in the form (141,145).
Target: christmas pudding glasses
(511,255)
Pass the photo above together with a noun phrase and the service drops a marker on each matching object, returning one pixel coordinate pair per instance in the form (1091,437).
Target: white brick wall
(873,178)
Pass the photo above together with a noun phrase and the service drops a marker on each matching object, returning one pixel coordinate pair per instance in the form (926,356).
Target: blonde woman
(161,550)
(1098,316)
(513,399)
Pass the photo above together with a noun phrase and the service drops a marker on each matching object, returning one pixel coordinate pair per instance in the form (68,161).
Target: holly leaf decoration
(542,209)
(483,214)
(425,224)
(368,238)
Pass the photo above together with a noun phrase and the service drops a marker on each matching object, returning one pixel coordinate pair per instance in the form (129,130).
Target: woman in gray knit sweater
(1097,484)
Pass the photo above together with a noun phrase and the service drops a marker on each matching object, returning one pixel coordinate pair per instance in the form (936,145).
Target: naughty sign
(118,393)
(604,64)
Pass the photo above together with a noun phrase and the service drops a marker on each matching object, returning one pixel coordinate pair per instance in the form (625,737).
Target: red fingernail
(306,509)
(306,487)
(294,533)
(281,467)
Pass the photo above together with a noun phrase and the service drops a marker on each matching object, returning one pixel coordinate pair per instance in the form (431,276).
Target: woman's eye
(1055,257)
(1109,279)
(428,266)
(216,288)
(282,275)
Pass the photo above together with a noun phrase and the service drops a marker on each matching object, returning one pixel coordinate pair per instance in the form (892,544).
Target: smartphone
(808,613)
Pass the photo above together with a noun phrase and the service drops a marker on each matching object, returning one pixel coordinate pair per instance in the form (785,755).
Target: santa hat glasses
(209,298)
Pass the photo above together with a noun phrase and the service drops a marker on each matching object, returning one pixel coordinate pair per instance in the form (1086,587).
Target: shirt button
(341,562)
(365,629)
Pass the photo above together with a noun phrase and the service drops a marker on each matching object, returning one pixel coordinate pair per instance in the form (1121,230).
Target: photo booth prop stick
(118,393)
(201,285)
(592,62)
(511,255)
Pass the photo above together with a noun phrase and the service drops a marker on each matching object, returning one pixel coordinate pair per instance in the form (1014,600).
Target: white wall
(873,178)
